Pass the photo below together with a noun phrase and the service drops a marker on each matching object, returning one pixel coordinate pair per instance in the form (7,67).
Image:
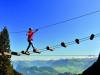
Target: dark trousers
(30,44)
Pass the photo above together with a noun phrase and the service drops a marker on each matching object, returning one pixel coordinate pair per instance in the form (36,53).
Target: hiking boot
(36,51)
(27,53)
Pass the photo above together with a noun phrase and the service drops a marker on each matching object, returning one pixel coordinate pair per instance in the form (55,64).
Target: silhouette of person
(30,35)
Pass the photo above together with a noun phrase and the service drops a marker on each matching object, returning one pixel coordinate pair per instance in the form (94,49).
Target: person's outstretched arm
(36,30)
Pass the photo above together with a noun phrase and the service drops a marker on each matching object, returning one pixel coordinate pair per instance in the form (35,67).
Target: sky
(19,15)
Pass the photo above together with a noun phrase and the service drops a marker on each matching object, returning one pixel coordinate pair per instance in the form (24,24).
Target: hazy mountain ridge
(53,67)
(94,69)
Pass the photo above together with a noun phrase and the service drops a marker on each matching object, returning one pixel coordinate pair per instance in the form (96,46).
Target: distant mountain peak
(94,69)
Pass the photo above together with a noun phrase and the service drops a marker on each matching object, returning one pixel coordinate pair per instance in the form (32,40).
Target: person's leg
(32,45)
(34,49)
(29,44)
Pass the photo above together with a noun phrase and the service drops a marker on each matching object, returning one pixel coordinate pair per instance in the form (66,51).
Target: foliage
(5,67)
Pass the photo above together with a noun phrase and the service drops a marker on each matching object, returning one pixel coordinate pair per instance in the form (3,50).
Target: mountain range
(53,67)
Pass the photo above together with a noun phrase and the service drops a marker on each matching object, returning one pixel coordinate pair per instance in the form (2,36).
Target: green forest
(6,68)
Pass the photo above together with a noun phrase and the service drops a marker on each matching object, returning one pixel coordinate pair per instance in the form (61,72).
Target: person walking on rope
(30,34)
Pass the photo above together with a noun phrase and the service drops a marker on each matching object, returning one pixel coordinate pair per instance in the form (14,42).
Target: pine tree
(6,40)
(5,64)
